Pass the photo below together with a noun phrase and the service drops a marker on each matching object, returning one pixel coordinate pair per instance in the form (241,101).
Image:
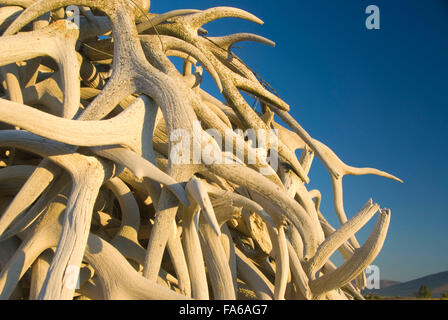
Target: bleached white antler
(118,166)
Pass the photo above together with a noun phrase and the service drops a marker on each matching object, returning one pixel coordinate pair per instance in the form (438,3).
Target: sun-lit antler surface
(115,165)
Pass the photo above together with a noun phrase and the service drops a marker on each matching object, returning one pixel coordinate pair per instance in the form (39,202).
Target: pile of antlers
(91,190)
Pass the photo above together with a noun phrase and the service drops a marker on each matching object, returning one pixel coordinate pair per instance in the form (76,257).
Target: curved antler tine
(116,89)
(167,209)
(39,271)
(177,44)
(226,42)
(250,274)
(362,258)
(297,128)
(258,90)
(70,65)
(346,249)
(338,201)
(216,262)
(142,168)
(193,253)
(8,15)
(155,20)
(57,152)
(299,276)
(229,248)
(315,194)
(81,133)
(364,171)
(172,43)
(177,255)
(198,192)
(226,58)
(337,238)
(343,169)
(336,167)
(130,215)
(117,277)
(199,19)
(239,200)
(218,112)
(282,261)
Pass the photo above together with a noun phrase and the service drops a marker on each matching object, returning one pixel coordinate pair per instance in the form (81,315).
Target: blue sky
(378,98)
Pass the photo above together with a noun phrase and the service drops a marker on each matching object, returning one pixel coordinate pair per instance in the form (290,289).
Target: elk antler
(110,156)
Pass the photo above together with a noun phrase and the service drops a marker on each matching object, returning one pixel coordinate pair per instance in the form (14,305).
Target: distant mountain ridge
(388,283)
(437,283)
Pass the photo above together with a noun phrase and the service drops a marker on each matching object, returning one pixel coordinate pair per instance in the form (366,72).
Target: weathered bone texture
(94,203)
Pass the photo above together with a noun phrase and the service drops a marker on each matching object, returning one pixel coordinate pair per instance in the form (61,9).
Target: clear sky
(378,98)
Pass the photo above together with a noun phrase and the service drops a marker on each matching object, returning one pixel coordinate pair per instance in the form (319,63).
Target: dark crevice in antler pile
(116,178)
